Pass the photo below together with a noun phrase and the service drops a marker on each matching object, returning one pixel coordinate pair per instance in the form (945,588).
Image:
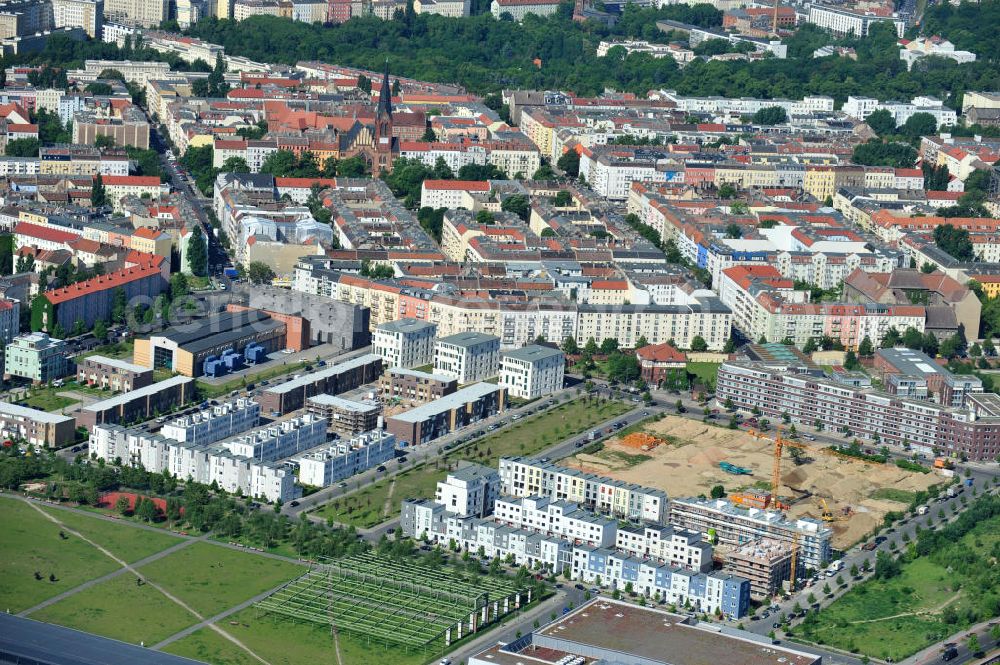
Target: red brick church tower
(385,144)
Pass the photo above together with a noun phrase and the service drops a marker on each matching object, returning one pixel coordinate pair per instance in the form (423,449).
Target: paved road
(427,452)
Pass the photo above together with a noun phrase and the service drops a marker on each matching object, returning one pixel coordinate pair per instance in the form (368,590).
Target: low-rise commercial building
(37,357)
(443,416)
(405,343)
(341,377)
(346,417)
(346,458)
(468,356)
(415,387)
(113,374)
(138,405)
(38,428)
(532,371)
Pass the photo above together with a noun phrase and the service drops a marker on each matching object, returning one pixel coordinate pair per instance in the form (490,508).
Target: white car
(287,351)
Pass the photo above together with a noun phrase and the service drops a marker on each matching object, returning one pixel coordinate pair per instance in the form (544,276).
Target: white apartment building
(842,22)
(532,371)
(405,343)
(280,439)
(203,464)
(525,477)
(214,423)
(682,548)
(346,458)
(452,8)
(138,71)
(470,490)
(518,9)
(921,47)
(467,356)
(244,9)
(451,193)
(862,107)
(139,13)
(86,14)
(562,519)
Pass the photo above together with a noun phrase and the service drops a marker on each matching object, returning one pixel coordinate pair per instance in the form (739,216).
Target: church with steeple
(386,147)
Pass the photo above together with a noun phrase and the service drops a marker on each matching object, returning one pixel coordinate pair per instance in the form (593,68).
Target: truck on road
(921,510)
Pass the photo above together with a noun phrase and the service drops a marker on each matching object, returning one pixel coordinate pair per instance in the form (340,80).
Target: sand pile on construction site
(687,464)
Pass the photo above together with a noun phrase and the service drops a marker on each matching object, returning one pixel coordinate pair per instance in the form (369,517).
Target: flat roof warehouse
(605,630)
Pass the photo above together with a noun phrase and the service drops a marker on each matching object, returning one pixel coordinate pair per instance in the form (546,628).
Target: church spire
(385,95)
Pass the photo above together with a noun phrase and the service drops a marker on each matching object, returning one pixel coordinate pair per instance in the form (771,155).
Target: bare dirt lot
(688,465)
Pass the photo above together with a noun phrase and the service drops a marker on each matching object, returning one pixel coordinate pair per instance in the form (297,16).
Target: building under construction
(766,562)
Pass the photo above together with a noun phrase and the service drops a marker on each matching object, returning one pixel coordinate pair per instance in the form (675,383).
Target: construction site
(687,458)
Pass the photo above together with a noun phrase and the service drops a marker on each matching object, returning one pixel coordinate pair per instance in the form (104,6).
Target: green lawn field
(128,543)
(925,603)
(211,578)
(705,373)
(120,609)
(380,501)
(31,543)
(280,641)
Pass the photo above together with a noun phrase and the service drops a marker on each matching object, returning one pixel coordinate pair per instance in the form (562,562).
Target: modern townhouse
(214,423)
(525,477)
(345,458)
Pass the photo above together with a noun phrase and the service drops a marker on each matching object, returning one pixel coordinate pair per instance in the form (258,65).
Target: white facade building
(405,343)
(470,490)
(344,459)
(467,356)
(532,371)
(214,423)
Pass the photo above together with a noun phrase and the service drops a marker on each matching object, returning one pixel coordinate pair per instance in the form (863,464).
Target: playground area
(683,457)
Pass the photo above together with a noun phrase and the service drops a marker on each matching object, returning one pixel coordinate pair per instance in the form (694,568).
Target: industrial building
(341,377)
(214,423)
(346,417)
(113,374)
(467,356)
(443,416)
(532,371)
(38,428)
(326,321)
(345,458)
(185,348)
(415,387)
(141,404)
(405,343)
(612,631)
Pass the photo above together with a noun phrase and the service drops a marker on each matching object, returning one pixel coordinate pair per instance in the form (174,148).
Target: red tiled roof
(147,233)
(131,180)
(44,232)
(305,183)
(103,282)
(661,353)
(463,185)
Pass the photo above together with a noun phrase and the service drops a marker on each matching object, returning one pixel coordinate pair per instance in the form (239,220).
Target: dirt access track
(688,465)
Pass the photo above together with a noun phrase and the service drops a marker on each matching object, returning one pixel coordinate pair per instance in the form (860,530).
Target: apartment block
(138,13)
(346,458)
(447,414)
(113,374)
(341,377)
(214,423)
(37,357)
(472,489)
(280,439)
(525,477)
(263,480)
(405,343)
(38,428)
(677,547)
(767,563)
(86,14)
(734,526)
(914,374)
(918,425)
(408,385)
(467,356)
(562,519)
(532,371)
(138,405)
(346,417)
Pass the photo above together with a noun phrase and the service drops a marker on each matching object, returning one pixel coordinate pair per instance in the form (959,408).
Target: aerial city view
(500,332)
